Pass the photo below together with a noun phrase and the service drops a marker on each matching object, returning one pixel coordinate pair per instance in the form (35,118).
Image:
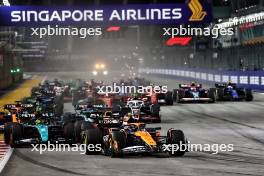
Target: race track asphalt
(237,123)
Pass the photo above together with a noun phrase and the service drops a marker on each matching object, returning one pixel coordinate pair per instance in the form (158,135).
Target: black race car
(231,92)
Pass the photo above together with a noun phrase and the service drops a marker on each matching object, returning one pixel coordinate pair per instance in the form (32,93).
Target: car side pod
(43,132)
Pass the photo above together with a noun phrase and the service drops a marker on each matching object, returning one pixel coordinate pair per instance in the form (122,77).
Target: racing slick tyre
(180,94)
(68,131)
(116,108)
(7,131)
(248,95)
(93,137)
(15,134)
(212,95)
(156,112)
(117,143)
(176,137)
(175,94)
(67,117)
(59,105)
(157,120)
(220,94)
(169,98)
(86,125)
(59,109)
(75,97)
(77,131)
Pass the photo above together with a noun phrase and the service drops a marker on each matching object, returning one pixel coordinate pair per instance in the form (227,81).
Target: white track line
(259,93)
(9,152)
(6,158)
(5,155)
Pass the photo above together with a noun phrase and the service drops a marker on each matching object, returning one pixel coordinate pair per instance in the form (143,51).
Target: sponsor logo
(123,89)
(198,13)
(193,11)
(57,147)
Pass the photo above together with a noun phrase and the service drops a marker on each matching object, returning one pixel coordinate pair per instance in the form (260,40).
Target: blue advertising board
(247,79)
(188,13)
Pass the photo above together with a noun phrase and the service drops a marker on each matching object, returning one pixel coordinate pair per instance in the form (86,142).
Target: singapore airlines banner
(192,12)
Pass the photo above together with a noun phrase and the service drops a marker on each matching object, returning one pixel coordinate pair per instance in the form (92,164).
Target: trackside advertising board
(193,12)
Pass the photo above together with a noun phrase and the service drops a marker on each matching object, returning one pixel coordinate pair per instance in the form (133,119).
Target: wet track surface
(238,123)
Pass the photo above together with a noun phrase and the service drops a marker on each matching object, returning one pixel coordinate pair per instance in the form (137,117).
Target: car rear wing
(220,85)
(86,106)
(223,85)
(153,129)
(80,107)
(10,106)
(186,86)
(109,122)
(28,105)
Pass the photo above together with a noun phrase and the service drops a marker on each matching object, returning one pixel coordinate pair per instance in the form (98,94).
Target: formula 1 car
(46,96)
(230,91)
(94,118)
(79,91)
(87,112)
(33,122)
(32,128)
(194,93)
(142,111)
(162,98)
(90,111)
(12,110)
(135,138)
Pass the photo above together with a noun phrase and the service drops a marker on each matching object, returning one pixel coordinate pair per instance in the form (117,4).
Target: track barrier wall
(248,79)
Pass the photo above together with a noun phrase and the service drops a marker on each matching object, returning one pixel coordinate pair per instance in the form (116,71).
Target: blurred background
(130,48)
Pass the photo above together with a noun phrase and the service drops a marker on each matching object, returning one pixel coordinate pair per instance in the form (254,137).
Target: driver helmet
(193,86)
(92,118)
(229,83)
(38,121)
